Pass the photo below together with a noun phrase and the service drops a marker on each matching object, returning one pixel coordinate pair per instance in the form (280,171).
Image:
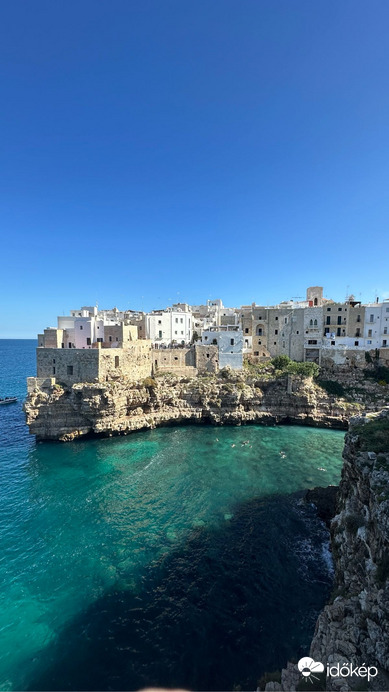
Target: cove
(177,556)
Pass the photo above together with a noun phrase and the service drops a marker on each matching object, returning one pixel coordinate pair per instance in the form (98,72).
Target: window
(332,343)
(338,331)
(275,343)
(246,331)
(181,320)
(69,369)
(276,331)
(116,361)
(176,320)
(311,323)
(176,332)
(339,320)
(214,341)
(88,341)
(54,360)
(358,318)
(356,343)
(328,309)
(256,353)
(328,320)
(369,342)
(81,327)
(370,332)
(297,332)
(384,342)
(70,345)
(283,344)
(205,338)
(315,301)
(276,318)
(159,334)
(207,355)
(339,309)
(110,338)
(385,330)
(99,340)
(286,320)
(159,321)
(315,323)
(371,318)
(175,357)
(312,341)
(53,371)
(232,342)
(62,345)
(259,331)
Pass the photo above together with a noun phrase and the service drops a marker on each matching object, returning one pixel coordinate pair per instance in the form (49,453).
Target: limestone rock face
(121,407)
(354,627)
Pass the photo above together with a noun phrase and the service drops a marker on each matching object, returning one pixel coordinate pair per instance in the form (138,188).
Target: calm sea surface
(177,557)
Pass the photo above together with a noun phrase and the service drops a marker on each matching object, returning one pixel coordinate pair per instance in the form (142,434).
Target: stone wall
(180,361)
(207,358)
(130,363)
(120,333)
(69,366)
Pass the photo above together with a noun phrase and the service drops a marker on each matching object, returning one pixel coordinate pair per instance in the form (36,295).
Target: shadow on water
(220,610)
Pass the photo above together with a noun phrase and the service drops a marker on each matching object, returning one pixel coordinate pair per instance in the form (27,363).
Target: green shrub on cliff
(281,362)
(291,367)
(332,387)
(380,373)
(374,435)
(306,369)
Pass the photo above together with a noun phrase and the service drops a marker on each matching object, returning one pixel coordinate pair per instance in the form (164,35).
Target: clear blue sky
(155,150)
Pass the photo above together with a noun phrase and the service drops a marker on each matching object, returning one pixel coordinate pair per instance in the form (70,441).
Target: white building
(376,326)
(229,341)
(169,327)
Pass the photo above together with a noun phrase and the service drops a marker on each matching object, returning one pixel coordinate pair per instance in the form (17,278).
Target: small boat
(8,400)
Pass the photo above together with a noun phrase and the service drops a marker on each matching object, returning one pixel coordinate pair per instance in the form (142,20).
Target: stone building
(69,366)
(229,341)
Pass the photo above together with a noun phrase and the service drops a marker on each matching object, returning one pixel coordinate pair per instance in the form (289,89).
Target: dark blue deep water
(177,557)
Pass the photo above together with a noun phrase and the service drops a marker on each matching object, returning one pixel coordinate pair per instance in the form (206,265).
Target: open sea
(181,556)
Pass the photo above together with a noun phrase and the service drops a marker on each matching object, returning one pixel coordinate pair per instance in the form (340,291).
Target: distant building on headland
(93,345)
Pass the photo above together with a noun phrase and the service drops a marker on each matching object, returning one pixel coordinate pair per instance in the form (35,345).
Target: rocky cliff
(353,629)
(227,398)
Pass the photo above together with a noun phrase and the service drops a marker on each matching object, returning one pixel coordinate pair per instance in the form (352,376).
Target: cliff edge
(352,632)
(120,407)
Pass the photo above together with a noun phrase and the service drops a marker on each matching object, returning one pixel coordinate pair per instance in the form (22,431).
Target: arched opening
(315,301)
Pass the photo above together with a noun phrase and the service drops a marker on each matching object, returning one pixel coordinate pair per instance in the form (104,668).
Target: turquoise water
(180,556)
